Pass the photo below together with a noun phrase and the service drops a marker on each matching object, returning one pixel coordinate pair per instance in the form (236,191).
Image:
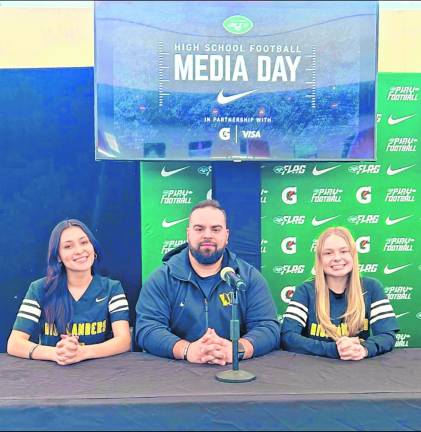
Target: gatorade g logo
(238,24)
(363,244)
(287,293)
(225,134)
(364,195)
(289,245)
(289,195)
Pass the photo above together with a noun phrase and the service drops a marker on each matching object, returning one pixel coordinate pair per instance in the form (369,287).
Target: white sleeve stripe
(117,304)
(300,305)
(381,309)
(294,317)
(120,309)
(117,297)
(31,303)
(297,311)
(30,309)
(380,317)
(30,317)
(379,303)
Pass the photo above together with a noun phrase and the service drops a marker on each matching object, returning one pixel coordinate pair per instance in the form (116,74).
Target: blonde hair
(355,312)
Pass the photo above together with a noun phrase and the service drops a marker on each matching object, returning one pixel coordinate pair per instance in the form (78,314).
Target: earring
(95,255)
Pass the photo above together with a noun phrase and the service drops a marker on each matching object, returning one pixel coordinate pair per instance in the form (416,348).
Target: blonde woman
(339,314)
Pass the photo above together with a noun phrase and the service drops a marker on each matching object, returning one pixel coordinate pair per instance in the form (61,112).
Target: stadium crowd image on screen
(253,80)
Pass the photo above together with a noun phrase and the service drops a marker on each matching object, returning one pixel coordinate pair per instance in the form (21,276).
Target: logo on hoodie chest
(226,298)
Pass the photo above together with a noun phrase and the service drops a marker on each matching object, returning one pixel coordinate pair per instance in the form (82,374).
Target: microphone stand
(235,375)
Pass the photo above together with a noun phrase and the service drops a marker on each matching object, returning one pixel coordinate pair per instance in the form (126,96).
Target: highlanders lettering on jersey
(317,330)
(78,329)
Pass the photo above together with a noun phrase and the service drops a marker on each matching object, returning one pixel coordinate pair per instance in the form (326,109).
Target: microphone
(232,279)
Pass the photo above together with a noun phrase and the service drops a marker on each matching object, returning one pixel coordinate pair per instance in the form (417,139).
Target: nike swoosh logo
(166,224)
(100,299)
(316,222)
(318,172)
(391,171)
(388,270)
(223,100)
(165,173)
(395,221)
(396,121)
(402,314)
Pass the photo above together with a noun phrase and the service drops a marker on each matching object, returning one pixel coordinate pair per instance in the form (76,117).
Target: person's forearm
(22,348)
(156,339)
(380,344)
(116,345)
(264,338)
(303,345)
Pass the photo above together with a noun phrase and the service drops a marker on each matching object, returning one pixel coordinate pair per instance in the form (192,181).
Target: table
(137,391)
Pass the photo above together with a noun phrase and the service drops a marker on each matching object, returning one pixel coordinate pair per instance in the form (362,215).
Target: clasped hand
(350,348)
(210,348)
(68,350)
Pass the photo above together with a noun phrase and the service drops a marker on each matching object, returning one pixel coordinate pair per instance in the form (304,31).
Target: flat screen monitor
(235,80)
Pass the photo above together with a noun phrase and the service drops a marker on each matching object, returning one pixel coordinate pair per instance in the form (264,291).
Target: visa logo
(251,134)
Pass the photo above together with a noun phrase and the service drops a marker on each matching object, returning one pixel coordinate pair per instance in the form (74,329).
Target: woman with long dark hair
(339,314)
(72,314)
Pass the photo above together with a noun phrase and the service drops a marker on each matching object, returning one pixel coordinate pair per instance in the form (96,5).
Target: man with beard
(184,308)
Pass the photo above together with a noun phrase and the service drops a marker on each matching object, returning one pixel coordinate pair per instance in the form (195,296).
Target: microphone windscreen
(224,272)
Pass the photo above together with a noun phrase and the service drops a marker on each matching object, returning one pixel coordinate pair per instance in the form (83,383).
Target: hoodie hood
(174,251)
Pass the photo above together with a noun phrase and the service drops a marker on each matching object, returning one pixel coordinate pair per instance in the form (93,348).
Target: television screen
(235,80)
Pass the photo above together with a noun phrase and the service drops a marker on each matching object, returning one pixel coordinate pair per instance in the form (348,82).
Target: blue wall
(48,173)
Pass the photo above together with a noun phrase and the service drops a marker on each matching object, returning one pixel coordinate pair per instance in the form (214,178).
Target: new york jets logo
(205,170)
(238,24)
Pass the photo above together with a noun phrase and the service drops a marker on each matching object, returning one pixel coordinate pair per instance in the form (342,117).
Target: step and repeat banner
(378,201)
(169,191)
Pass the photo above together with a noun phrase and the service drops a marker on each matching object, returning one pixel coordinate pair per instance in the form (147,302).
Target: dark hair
(58,303)
(209,203)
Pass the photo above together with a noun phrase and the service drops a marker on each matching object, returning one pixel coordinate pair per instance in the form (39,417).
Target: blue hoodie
(171,306)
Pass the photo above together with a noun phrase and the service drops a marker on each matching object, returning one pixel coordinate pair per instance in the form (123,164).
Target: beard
(206,257)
